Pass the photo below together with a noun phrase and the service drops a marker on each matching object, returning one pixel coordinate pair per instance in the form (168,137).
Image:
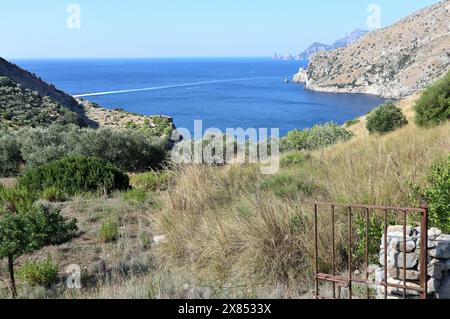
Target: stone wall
(438,263)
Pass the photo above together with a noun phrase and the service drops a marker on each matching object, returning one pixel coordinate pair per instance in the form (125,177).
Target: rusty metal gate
(347,281)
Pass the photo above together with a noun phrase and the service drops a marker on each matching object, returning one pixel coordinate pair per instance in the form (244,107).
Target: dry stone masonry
(438,263)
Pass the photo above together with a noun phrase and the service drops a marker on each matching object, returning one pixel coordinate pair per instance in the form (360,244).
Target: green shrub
(352,122)
(293,158)
(15,199)
(437,194)
(433,107)
(317,137)
(289,186)
(129,150)
(10,156)
(22,107)
(151,181)
(53,194)
(109,232)
(386,118)
(74,175)
(39,273)
(136,196)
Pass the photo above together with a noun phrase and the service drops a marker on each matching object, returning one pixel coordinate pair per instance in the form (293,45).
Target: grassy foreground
(230,231)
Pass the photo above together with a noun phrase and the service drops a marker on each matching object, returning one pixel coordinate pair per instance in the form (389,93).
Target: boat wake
(172,86)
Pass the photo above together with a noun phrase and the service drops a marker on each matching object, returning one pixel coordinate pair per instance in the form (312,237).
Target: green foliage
(437,194)
(10,156)
(317,137)
(386,118)
(27,231)
(433,107)
(14,200)
(293,159)
(109,232)
(39,273)
(289,186)
(128,149)
(151,181)
(74,175)
(376,227)
(22,107)
(352,122)
(53,194)
(136,196)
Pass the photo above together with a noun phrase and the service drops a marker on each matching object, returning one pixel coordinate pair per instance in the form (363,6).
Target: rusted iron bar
(316,255)
(404,253)
(424,253)
(385,253)
(367,249)
(408,210)
(334,249)
(350,251)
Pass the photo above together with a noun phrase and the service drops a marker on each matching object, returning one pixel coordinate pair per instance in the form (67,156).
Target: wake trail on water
(173,86)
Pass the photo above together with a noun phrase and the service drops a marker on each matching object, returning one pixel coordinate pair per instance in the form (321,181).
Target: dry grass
(224,227)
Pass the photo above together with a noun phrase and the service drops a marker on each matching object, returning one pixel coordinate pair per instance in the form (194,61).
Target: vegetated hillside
(393,62)
(20,106)
(33,83)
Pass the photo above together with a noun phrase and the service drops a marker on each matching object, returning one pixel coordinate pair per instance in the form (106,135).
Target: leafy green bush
(437,194)
(39,273)
(433,107)
(74,175)
(109,232)
(10,156)
(317,137)
(151,181)
(130,150)
(386,118)
(53,194)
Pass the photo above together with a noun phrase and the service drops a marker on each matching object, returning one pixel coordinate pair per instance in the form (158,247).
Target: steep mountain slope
(33,83)
(393,62)
(20,107)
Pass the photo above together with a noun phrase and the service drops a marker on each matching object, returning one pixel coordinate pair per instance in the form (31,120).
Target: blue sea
(224,93)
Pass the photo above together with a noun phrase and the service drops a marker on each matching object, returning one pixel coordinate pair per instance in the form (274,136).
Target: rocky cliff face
(393,62)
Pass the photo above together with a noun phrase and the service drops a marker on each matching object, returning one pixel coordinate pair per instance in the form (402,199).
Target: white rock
(400,291)
(396,259)
(159,239)
(434,233)
(398,273)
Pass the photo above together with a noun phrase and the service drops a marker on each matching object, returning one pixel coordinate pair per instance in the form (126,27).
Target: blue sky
(183,28)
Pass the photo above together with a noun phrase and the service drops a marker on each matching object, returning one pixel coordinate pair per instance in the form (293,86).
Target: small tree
(386,118)
(29,230)
(433,107)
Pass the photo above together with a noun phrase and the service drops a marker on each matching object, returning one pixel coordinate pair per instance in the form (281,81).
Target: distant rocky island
(393,62)
(321,47)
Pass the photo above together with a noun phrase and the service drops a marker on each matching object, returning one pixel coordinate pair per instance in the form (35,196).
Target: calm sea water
(224,93)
